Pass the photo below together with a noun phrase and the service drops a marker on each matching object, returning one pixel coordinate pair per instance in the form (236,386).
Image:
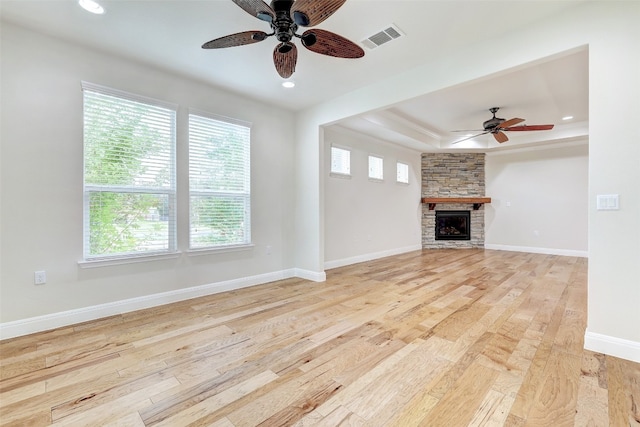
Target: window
(402,173)
(376,168)
(340,161)
(129,174)
(219,182)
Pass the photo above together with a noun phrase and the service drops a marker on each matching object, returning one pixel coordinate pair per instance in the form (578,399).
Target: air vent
(388,34)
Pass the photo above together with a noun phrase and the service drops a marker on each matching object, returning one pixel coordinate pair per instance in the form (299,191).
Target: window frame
(335,173)
(379,178)
(398,163)
(92,188)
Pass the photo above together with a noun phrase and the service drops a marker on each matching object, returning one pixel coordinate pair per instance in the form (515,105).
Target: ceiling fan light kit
(497,126)
(284,17)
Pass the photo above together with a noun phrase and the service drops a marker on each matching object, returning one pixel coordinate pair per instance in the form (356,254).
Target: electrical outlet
(40,277)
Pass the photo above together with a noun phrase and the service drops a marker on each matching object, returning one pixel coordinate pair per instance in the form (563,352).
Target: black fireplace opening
(453,225)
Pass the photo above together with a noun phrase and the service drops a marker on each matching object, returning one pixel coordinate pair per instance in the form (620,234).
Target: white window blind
(340,161)
(219,182)
(129,174)
(376,168)
(402,173)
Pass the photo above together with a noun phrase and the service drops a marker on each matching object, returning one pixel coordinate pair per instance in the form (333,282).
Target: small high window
(376,168)
(402,173)
(340,161)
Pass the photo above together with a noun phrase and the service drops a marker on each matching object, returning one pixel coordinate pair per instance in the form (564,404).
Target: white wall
(611,32)
(41,177)
(539,200)
(367,219)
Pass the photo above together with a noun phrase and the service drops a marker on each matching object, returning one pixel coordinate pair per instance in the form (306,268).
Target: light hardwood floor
(433,338)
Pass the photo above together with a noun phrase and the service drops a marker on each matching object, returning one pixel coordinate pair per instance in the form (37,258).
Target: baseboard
(370,257)
(66,318)
(314,276)
(612,346)
(535,250)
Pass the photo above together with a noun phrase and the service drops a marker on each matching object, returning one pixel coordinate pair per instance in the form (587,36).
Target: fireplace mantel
(476,201)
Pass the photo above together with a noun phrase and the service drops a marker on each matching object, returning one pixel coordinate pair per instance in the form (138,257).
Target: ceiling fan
(497,126)
(284,17)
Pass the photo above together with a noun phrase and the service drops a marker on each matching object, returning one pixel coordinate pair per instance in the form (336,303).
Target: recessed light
(567,118)
(91,6)
(288,84)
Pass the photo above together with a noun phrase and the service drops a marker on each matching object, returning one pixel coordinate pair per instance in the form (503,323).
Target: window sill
(132,259)
(219,250)
(340,175)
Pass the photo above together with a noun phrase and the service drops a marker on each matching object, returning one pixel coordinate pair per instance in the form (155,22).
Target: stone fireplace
(453,222)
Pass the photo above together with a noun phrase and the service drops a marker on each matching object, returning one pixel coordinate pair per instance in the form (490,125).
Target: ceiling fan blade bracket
(308,39)
(301,18)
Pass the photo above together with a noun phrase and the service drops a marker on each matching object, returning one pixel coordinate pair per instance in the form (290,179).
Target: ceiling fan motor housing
(493,122)
(283,26)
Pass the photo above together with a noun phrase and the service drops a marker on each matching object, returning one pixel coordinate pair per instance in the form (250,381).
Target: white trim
(127,259)
(617,347)
(534,250)
(220,249)
(105,90)
(66,318)
(218,117)
(340,175)
(314,276)
(370,257)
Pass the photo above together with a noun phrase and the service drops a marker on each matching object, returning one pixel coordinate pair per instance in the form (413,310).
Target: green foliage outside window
(219,183)
(128,175)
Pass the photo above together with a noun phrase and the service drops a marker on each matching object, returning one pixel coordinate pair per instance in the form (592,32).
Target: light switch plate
(607,202)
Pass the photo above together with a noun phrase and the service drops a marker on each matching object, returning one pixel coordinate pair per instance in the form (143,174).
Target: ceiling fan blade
(257,8)
(500,137)
(285,56)
(529,127)
(467,130)
(308,13)
(238,39)
(469,137)
(330,44)
(510,122)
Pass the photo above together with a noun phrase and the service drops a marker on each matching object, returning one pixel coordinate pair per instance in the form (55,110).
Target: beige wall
(365,219)
(41,222)
(539,200)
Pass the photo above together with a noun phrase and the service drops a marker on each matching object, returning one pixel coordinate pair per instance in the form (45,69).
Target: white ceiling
(168,34)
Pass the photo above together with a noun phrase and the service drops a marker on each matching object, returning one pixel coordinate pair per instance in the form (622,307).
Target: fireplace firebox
(453,225)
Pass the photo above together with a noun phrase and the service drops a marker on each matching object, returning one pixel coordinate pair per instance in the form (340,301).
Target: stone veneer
(453,175)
